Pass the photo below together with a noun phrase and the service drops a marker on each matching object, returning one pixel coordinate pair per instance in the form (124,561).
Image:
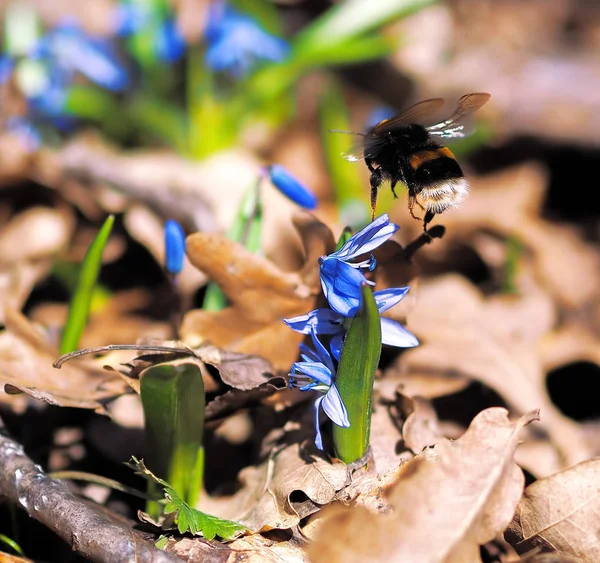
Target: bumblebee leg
(428,217)
(411,203)
(376,180)
(393,185)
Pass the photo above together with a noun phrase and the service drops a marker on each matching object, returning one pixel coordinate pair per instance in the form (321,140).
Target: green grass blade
(79,308)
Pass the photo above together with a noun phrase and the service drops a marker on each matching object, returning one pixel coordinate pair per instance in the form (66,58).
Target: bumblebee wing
(452,127)
(414,114)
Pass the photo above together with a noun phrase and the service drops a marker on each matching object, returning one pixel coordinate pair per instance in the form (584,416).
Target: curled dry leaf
(492,341)
(560,513)
(421,428)
(265,500)
(446,502)
(26,366)
(259,293)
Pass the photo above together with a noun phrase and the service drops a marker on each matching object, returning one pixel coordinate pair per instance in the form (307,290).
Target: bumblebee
(403,149)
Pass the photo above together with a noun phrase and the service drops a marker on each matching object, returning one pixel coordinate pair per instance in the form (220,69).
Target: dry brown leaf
(250,549)
(421,428)
(26,365)
(39,232)
(260,295)
(560,513)
(493,341)
(446,502)
(264,502)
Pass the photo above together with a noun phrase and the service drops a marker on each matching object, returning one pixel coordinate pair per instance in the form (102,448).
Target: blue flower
(174,247)
(128,19)
(69,49)
(7,66)
(170,45)
(291,187)
(327,321)
(317,373)
(236,42)
(340,278)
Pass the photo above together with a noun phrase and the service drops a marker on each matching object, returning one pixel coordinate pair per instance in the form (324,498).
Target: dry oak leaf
(560,513)
(26,366)
(446,502)
(259,293)
(495,341)
(265,501)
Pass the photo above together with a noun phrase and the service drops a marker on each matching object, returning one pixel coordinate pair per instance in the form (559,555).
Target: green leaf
(173,400)
(347,20)
(355,376)
(189,519)
(12,544)
(79,307)
(161,542)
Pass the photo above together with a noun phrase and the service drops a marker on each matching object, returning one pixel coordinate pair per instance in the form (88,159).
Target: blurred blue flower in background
(379,114)
(7,66)
(174,246)
(291,187)
(341,279)
(170,45)
(25,131)
(67,49)
(236,42)
(317,373)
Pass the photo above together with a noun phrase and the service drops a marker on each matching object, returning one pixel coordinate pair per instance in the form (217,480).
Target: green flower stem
(355,377)
(173,399)
(79,308)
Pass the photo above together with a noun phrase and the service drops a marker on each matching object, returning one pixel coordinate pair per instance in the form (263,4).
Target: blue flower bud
(291,187)
(174,247)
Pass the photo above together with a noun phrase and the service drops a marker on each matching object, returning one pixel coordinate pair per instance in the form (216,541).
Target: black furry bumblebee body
(402,149)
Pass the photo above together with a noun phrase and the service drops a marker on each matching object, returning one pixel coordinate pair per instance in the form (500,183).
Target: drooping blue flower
(340,278)
(291,187)
(174,246)
(317,373)
(170,45)
(68,49)
(236,42)
(327,321)
(128,18)
(7,65)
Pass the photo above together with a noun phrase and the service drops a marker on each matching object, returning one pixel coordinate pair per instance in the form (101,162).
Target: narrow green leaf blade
(79,307)
(355,377)
(354,17)
(345,175)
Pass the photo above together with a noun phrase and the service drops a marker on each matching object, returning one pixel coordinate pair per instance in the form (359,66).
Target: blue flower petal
(236,42)
(323,354)
(318,437)
(394,334)
(315,370)
(336,345)
(322,321)
(369,238)
(387,298)
(174,247)
(341,285)
(290,187)
(334,408)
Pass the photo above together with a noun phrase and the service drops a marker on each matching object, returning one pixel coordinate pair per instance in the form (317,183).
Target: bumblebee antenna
(346,132)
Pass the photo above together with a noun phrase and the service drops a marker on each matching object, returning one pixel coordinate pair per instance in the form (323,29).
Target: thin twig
(89,532)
